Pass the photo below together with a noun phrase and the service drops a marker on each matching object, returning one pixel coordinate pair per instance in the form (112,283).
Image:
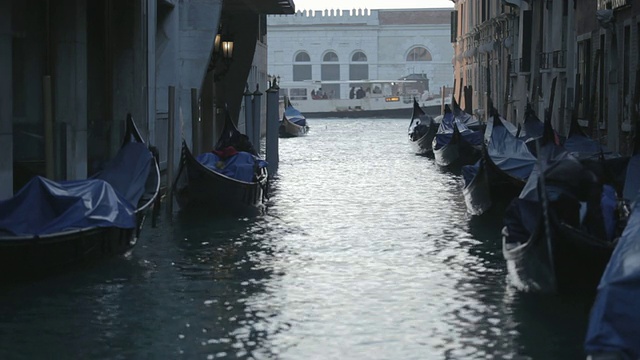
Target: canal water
(364,251)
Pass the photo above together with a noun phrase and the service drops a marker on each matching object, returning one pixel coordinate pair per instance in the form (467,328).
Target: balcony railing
(559,59)
(545,60)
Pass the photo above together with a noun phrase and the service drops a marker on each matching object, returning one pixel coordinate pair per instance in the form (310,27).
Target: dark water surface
(364,251)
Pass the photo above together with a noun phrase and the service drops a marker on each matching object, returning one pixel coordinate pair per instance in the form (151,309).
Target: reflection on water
(364,251)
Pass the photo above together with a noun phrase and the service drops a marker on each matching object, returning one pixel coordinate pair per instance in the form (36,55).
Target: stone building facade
(342,45)
(513,50)
(82,65)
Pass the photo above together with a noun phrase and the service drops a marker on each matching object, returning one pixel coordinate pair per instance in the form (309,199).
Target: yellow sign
(392,99)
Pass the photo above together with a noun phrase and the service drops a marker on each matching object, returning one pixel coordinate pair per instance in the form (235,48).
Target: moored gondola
(559,234)
(50,226)
(582,146)
(503,171)
(455,145)
(227,180)
(422,130)
(293,123)
(470,121)
(614,323)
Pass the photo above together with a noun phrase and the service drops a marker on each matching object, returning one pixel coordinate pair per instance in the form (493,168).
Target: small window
(330,57)
(298,94)
(303,57)
(419,54)
(359,57)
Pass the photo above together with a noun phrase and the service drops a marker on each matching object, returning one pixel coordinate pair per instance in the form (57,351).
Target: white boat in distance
(381,99)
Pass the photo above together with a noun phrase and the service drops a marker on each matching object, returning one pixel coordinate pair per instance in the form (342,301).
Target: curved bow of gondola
(153,185)
(422,129)
(293,123)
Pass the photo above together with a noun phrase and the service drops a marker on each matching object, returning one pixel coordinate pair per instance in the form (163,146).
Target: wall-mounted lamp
(227,49)
(222,49)
(216,43)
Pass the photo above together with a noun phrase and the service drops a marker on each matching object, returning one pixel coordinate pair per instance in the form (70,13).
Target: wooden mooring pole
(171,118)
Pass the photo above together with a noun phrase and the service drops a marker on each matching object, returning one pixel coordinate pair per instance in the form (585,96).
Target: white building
(361,44)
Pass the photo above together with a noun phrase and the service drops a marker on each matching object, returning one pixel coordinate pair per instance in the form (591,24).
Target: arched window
(330,57)
(302,57)
(419,54)
(358,57)
(301,67)
(358,69)
(330,72)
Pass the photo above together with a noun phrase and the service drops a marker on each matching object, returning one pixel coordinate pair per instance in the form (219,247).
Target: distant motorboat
(313,102)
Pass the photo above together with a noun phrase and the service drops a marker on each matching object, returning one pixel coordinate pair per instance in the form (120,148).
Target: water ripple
(363,251)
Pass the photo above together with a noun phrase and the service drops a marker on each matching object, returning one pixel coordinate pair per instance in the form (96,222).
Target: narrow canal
(364,251)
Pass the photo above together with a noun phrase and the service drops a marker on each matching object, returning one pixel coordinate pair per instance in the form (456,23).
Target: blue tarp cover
(240,166)
(292,114)
(614,324)
(533,127)
(468,120)
(45,207)
(445,132)
(108,199)
(509,153)
(551,155)
(472,137)
(584,147)
(489,129)
(128,171)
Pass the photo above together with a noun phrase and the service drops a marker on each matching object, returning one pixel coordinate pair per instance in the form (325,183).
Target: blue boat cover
(557,162)
(128,171)
(533,127)
(508,153)
(583,147)
(614,323)
(108,199)
(446,124)
(470,136)
(240,166)
(467,119)
(292,114)
(489,129)
(445,132)
(44,207)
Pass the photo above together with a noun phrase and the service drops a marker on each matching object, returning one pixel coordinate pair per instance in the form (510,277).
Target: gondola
(582,146)
(614,322)
(533,127)
(454,144)
(50,226)
(422,130)
(470,121)
(228,180)
(503,170)
(559,233)
(293,123)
